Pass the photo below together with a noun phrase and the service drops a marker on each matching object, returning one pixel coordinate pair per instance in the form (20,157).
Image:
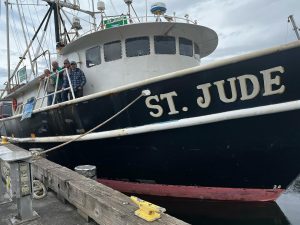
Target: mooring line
(144,93)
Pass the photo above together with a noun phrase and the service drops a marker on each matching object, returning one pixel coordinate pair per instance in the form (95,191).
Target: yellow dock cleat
(147,210)
(4,140)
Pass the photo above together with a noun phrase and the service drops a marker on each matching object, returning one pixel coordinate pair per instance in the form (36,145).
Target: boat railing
(14,83)
(142,19)
(43,87)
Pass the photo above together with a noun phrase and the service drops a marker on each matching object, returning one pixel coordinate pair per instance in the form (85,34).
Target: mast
(94,17)
(8,48)
(54,7)
(291,19)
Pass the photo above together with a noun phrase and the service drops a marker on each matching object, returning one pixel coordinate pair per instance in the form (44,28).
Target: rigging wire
(16,37)
(73,15)
(40,44)
(27,30)
(89,16)
(14,32)
(28,4)
(135,13)
(28,9)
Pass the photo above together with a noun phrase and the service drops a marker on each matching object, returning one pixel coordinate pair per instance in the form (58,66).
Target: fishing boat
(152,119)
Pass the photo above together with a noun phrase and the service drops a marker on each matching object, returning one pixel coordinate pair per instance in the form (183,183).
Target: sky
(242,25)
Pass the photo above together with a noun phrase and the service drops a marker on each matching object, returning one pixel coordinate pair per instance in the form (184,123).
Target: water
(285,211)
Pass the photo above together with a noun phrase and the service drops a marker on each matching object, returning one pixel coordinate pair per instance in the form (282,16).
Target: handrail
(45,94)
(44,82)
(144,19)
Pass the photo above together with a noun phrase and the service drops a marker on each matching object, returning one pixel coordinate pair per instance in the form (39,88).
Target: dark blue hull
(259,150)
(212,155)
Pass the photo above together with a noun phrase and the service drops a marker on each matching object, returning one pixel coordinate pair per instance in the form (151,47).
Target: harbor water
(285,211)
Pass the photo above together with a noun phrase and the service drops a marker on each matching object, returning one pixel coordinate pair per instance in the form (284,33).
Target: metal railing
(44,85)
(42,91)
(144,19)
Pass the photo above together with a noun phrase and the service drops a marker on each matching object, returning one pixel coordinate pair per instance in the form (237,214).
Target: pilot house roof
(206,38)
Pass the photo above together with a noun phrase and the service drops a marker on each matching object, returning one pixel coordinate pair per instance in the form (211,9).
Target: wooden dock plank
(101,203)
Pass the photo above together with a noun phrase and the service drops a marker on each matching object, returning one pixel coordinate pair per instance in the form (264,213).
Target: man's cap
(66,61)
(73,63)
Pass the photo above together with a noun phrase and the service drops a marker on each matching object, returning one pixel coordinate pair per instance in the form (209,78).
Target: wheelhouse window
(196,51)
(185,47)
(92,56)
(137,46)
(112,51)
(164,45)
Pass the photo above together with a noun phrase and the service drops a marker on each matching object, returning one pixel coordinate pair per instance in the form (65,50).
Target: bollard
(87,171)
(16,178)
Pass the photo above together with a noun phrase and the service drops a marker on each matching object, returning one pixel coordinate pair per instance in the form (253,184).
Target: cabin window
(92,56)
(185,47)
(112,51)
(5,109)
(137,46)
(196,51)
(164,45)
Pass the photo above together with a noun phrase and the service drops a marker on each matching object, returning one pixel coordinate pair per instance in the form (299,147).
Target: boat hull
(220,126)
(211,155)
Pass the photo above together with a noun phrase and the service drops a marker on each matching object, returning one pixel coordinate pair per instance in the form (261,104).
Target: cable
(39,189)
(144,93)
(18,42)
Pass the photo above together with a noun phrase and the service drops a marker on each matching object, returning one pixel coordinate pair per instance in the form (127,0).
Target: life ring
(14,104)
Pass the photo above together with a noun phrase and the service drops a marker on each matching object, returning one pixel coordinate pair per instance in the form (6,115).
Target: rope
(39,189)
(144,93)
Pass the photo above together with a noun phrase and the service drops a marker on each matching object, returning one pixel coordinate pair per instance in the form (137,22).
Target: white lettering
(169,96)
(204,101)
(221,90)
(244,88)
(269,82)
(156,107)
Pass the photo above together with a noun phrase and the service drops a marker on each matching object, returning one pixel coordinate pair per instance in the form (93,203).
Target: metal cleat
(147,210)
(4,140)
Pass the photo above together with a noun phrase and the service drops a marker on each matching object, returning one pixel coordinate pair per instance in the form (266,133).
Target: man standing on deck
(67,65)
(49,85)
(77,79)
(59,74)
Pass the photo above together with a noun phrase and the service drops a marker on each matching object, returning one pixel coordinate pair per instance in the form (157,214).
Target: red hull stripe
(194,192)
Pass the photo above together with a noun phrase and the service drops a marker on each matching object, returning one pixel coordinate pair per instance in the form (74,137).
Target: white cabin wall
(127,70)
(29,92)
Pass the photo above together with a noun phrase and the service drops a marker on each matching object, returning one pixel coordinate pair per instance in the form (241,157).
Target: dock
(75,199)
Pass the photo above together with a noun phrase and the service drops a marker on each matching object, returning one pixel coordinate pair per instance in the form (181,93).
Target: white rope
(39,189)
(144,93)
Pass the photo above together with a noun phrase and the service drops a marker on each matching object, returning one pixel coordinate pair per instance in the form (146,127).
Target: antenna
(291,19)
(128,3)
(101,8)
(158,9)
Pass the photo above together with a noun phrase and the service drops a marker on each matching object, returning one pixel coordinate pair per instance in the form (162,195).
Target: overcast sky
(242,25)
